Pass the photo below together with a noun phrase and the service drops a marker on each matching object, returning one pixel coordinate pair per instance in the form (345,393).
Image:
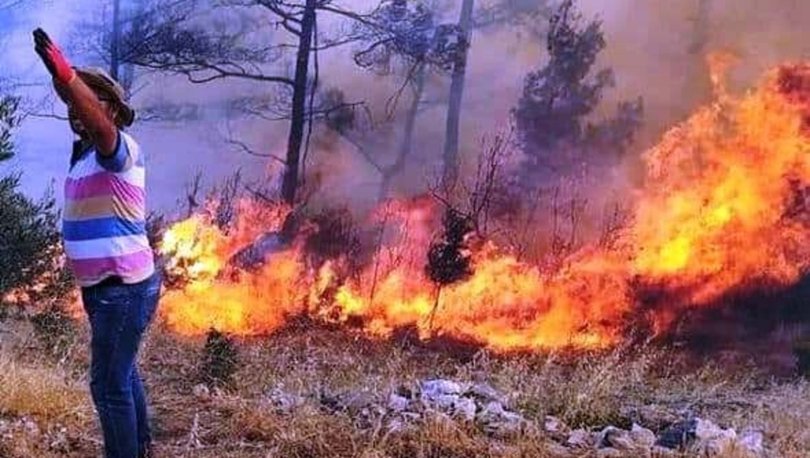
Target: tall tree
(115,41)
(700,33)
(416,39)
(557,99)
(523,16)
(406,40)
(234,48)
(108,34)
(697,82)
(492,15)
(457,94)
(406,145)
(299,100)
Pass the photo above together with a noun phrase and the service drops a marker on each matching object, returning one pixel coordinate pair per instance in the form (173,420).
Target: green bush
(29,237)
(9,120)
(30,253)
(219,360)
(55,330)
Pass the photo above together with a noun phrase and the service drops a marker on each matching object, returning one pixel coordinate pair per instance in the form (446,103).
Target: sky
(175,153)
(647,49)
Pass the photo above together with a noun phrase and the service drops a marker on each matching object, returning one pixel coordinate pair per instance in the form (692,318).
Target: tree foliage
(29,233)
(240,39)
(449,258)
(551,115)
(402,31)
(29,236)
(9,120)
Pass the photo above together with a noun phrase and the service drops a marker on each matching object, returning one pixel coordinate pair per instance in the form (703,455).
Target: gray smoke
(651,48)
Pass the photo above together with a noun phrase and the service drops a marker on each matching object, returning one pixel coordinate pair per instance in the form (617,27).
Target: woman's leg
(114,314)
(151,297)
(141,415)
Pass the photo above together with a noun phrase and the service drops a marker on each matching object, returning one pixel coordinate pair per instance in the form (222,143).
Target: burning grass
(723,213)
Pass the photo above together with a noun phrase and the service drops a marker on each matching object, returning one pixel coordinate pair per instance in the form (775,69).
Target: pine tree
(557,99)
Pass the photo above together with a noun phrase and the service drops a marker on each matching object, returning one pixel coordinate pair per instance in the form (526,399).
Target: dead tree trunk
(698,84)
(115,52)
(300,90)
(700,34)
(139,17)
(456,96)
(396,168)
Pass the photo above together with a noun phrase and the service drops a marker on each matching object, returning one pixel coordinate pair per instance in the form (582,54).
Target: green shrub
(219,360)
(9,120)
(29,237)
(31,261)
(56,330)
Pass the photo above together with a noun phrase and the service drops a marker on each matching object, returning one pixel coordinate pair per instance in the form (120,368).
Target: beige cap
(102,83)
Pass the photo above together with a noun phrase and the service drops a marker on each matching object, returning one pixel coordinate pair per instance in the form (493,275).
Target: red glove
(52,57)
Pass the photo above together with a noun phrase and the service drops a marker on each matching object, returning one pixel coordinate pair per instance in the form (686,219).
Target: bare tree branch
(48,116)
(246,149)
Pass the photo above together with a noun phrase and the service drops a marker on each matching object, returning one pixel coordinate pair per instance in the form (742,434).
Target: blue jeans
(119,314)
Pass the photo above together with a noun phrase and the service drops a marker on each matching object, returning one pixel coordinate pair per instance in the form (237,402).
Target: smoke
(655,48)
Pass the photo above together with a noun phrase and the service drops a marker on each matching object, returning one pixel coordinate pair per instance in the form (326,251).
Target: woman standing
(104,232)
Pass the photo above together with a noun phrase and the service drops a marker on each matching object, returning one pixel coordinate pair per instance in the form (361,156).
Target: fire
(506,304)
(197,251)
(196,248)
(716,214)
(248,304)
(722,210)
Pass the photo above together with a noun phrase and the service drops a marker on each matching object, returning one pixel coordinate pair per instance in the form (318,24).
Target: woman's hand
(80,98)
(52,57)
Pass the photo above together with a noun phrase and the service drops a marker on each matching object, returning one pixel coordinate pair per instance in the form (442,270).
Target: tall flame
(717,212)
(722,210)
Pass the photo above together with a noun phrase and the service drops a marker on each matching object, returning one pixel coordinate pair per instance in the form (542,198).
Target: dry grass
(783,411)
(44,393)
(590,390)
(43,410)
(308,432)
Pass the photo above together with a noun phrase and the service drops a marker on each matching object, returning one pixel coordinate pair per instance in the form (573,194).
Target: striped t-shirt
(104,222)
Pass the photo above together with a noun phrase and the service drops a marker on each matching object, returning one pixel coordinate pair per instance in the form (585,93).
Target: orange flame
(716,212)
(720,211)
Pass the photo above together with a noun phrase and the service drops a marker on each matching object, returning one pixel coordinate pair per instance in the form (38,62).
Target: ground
(277,404)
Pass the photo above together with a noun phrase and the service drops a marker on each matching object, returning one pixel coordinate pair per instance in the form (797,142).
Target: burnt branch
(246,149)
(488,180)
(176,44)
(192,192)
(528,14)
